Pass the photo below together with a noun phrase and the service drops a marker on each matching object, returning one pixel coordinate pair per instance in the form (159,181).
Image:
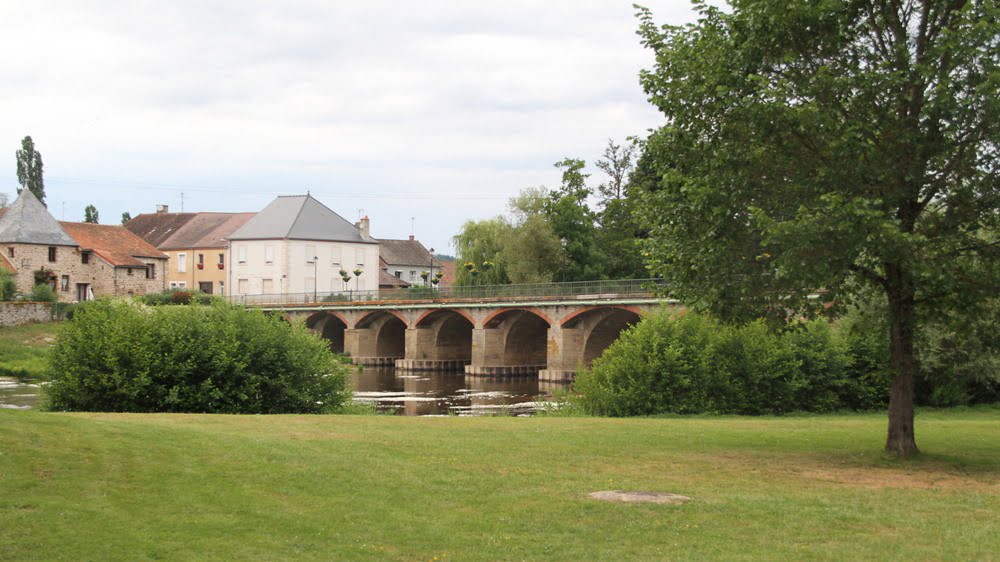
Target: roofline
(304,240)
(37,244)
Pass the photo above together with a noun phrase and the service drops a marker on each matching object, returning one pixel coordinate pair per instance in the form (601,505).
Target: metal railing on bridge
(576,290)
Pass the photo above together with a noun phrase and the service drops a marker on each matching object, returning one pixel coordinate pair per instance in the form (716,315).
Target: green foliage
(178,297)
(43,293)
(126,216)
(8,288)
(29,170)
(336,297)
(123,356)
(574,223)
(478,242)
(90,215)
(690,363)
(42,275)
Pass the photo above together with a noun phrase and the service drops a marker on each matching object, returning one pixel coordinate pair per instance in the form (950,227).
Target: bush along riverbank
(123,356)
(689,363)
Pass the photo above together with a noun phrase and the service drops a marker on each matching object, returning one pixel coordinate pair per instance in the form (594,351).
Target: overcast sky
(437,111)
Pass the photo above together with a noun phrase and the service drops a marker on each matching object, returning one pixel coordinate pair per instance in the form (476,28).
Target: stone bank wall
(18,313)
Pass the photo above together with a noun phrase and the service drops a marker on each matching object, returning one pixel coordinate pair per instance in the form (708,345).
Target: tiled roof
(156,228)
(206,230)
(27,221)
(387,280)
(405,252)
(115,244)
(299,217)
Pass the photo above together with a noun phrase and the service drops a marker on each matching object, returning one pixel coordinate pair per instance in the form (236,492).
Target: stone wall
(103,279)
(18,313)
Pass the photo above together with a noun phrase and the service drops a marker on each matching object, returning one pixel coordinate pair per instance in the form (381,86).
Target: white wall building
(298,245)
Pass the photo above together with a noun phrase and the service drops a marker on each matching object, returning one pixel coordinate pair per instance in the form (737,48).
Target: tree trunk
(899,289)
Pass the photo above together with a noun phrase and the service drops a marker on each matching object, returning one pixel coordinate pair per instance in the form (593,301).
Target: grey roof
(405,252)
(28,222)
(299,217)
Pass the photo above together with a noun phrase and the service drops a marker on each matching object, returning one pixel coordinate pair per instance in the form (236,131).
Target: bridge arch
(600,327)
(451,333)
(525,333)
(389,329)
(330,326)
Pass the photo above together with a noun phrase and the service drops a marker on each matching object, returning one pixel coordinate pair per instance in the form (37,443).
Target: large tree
(29,169)
(91,215)
(829,146)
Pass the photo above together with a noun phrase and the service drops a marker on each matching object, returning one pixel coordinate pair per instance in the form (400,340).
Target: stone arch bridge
(549,338)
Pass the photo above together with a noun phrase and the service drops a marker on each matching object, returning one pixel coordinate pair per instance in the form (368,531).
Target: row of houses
(294,245)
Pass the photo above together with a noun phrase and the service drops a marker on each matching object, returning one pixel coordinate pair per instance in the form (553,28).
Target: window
(242,253)
(178,284)
(310,253)
(244,286)
(151,271)
(359,257)
(413,276)
(64,283)
(85,258)
(399,274)
(268,287)
(10,251)
(52,253)
(222,259)
(335,253)
(201,261)
(268,254)
(129,272)
(182,263)
(222,286)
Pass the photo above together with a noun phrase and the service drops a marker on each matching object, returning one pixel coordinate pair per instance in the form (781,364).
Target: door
(205,287)
(82,293)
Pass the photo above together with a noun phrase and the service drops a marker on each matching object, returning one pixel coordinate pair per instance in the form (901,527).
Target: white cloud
(130,102)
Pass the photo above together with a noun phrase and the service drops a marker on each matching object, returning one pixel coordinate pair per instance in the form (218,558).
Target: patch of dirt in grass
(625,496)
(880,478)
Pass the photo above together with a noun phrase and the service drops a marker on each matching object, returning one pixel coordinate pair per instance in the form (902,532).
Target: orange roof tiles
(115,244)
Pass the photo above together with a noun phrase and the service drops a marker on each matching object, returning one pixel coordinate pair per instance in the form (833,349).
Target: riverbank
(87,486)
(24,350)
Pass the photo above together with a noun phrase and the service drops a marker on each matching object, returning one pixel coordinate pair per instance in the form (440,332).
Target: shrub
(180,297)
(43,293)
(175,296)
(123,356)
(690,363)
(8,288)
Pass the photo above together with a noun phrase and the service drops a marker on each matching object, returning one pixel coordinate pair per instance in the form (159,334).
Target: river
(403,393)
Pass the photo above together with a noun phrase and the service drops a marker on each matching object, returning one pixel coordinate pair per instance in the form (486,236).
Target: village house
(298,245)
(408,259)
(79,261)
(196,244)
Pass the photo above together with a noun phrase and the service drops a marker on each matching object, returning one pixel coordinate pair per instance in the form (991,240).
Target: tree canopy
(828,146)
(29,169)
(91,215)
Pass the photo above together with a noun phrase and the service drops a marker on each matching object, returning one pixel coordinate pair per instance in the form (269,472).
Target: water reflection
(17,394)
(406,393)
(428,393)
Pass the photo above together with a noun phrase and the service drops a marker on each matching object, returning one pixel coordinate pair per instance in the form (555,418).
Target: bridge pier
(564,354)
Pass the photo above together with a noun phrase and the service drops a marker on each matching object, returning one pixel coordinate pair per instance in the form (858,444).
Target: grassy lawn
(99,486)
(25,349)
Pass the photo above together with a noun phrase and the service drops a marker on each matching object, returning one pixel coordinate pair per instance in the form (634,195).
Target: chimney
(163,208)
(362,225)
(411,238)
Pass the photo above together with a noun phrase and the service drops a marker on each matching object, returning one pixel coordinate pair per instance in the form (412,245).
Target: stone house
(196,244)
(80,261)
(297,245)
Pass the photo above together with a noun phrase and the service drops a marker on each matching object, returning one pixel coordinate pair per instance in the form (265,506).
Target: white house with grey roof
(298,245)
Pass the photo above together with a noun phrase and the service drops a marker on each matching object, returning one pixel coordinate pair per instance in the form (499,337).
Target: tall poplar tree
(838,147)
(29,169)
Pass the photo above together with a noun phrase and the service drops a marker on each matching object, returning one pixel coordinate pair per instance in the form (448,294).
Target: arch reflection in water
(423,394)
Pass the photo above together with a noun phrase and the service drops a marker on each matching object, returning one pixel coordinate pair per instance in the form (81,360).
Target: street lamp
(429,277)
(315,276)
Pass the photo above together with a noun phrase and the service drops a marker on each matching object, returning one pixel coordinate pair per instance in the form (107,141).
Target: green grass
(24,350)
(100,486)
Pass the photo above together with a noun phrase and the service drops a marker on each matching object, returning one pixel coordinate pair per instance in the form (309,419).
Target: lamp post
(432,268)
(315,276)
